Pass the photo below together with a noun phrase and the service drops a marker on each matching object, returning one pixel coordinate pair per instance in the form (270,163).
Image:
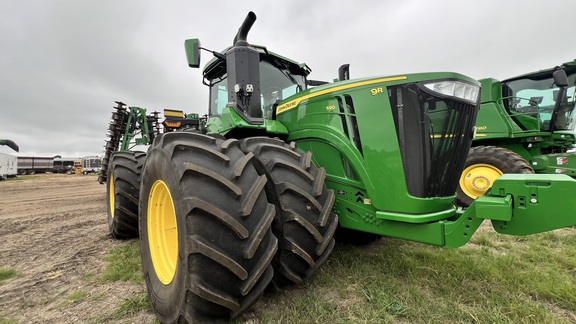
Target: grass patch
(97,297)
(74,297)
(5,320)
(133,305)
(493,279)
(498,279)
(124,264)
(7,273)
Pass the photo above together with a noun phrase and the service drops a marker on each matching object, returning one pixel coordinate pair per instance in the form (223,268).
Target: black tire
(304,223)
(223,236)
(123,192)
(482,167)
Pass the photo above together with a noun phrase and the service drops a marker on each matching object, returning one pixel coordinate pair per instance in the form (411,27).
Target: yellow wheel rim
(478,178)
(111,196)
(162,232)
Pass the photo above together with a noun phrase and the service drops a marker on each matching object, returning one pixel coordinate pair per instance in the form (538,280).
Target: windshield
(275,85)
(531,102)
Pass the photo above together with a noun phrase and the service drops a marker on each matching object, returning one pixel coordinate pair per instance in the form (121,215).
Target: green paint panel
(458,232)
(356,216)
(541,202)
(325,125)
(495,208)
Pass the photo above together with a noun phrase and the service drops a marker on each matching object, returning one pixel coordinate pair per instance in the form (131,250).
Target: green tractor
(254,194)
(525,125)
(10,144)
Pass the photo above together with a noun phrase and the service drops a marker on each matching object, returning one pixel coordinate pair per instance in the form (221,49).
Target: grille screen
(434,134)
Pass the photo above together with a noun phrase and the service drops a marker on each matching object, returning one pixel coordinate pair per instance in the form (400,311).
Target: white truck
(8,166)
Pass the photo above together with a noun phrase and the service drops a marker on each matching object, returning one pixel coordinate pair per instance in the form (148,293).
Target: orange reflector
(173,124)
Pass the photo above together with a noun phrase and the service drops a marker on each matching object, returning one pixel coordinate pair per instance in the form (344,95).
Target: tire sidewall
(117,224)
(166,299)
(490,160)
(108,205)
(110,178)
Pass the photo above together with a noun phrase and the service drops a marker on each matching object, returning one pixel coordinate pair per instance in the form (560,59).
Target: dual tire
(123,193)
(222,219)
(304,222)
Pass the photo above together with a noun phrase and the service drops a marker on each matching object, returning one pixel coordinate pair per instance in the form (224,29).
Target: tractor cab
(277,79)
(247,78)
(542,101)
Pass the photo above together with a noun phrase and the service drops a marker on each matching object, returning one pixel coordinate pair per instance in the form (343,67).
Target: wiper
(289,76)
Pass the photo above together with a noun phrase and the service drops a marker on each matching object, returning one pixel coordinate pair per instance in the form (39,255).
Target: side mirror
(192,47)
(560,78)
(344,72)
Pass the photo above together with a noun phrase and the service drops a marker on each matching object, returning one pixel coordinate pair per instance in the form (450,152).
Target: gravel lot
(54,234)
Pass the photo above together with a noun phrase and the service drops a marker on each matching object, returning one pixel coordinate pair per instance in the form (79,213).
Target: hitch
(541,202)
(518,204)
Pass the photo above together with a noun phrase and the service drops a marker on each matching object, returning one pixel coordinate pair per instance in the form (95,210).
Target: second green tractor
(525,125)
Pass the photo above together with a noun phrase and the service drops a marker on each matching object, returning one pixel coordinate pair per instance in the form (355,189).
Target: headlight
(456,89)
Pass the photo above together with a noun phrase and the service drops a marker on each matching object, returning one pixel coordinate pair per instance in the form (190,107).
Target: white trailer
(8,166)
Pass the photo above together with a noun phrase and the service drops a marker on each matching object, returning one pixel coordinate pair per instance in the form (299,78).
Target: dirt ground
(53,232)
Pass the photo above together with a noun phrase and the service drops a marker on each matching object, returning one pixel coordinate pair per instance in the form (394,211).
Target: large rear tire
(483,166)
(123,192)
(304,223)
(205,229)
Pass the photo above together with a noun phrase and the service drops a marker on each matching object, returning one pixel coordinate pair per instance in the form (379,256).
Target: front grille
(434,134)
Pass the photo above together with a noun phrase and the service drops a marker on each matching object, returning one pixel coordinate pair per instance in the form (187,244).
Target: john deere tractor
(10,144)
(254,195)
(525,125)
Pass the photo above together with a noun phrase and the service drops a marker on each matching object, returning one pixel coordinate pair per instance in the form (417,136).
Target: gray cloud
(63,63)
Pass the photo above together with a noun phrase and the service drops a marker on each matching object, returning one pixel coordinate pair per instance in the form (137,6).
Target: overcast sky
(64,63)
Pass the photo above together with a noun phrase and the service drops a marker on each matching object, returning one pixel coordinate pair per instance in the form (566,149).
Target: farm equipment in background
(8,166)
(131,127)
(10,144)
(91,164)
(78,170)
(35,164)
(8,163)
(254,195)
(85,165)
(525,125)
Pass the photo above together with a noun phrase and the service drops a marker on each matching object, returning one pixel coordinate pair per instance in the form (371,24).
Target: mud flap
(523,204)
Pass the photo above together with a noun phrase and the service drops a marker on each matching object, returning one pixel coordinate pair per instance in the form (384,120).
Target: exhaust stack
(241,37)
